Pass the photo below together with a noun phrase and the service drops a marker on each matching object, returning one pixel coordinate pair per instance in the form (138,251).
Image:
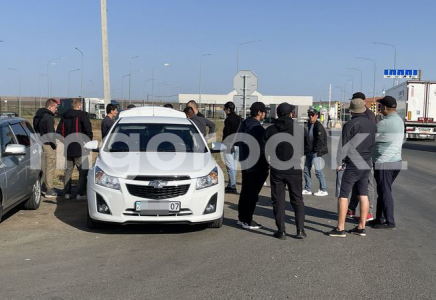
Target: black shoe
(252,225)
(384,226)
(301,234)
(357,231)
(373,222)
(51,194)
(281,235)
(230,190)
(337,233)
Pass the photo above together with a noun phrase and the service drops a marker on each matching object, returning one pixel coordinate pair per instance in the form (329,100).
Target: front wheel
(217,223)
(35,200)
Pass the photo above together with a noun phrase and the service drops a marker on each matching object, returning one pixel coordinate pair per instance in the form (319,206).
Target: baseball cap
(357,106)
(312,111)
(257,107)
(358,95)
(388,101)
(284,109)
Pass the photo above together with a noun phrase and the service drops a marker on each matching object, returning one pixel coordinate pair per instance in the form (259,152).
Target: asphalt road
(50,254)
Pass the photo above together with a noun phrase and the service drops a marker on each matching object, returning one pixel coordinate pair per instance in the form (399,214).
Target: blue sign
(403,73)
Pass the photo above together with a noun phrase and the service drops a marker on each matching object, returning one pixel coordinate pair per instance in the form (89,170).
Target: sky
(304,47)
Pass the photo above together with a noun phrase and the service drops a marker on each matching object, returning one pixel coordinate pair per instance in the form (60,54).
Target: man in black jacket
(318,142)
(200,122)
(253,175)
(354,160)
(43,123)
(285,157)
(108,121)
(76,129)
(231,126)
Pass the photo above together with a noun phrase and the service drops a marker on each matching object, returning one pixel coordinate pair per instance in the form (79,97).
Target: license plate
(157,207)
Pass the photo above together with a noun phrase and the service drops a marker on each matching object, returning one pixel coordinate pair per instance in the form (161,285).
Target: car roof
(10,120)
(152,111)
(154,120)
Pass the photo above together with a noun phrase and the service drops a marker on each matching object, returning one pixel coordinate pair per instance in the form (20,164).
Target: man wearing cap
(253,176)
(354,201)
(318,148)
(387,161)
(354,159)
(285,153)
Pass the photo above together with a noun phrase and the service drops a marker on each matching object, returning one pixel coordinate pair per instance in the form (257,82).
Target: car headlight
(101,178)
(208,180)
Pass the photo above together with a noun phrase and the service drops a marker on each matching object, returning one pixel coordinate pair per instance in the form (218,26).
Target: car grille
(150,192)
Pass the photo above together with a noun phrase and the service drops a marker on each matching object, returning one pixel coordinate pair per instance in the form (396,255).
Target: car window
(175,138)
(7,137)
(20,133)
(29,130)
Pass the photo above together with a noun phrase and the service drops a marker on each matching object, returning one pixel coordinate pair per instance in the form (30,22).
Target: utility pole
(105,52)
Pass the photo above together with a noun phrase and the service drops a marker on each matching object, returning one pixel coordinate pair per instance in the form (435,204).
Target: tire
(92,224)
(217,223)
(35,200)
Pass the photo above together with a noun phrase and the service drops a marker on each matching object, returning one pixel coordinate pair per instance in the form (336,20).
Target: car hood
(132,164)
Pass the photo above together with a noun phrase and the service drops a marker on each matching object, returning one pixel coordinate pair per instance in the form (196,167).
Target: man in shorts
(354,160)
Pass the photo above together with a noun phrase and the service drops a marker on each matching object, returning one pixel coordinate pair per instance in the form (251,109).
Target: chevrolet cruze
(154,166)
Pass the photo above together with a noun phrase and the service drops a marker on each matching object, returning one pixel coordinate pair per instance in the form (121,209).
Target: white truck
(416,104)
(94,107)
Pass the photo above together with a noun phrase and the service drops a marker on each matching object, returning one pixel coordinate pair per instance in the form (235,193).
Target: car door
(11,170)
(35,152)
(25,173)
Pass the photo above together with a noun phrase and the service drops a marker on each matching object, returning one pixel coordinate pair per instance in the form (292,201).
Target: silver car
(20,176)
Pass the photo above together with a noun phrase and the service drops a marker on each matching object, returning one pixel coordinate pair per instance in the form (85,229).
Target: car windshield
(155,138)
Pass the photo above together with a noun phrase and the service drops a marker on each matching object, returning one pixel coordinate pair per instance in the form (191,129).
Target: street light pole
(19,89)
(81,75)
(69,73)
(199,87)
(352,81)
(48,74)
(360,71)
(395,57)
(122,88)
(237,52)
(130,77)
(375,70)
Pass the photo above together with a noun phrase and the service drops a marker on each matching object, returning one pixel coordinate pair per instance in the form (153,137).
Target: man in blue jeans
(317,148)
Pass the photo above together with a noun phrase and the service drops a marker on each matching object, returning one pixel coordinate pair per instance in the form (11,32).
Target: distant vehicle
(9,114)
(417,106)
(190,190)
(19,183)
(94,107)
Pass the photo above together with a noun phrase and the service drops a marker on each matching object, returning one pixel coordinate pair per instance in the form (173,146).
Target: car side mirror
(218,147)
(15,150)
(92,146)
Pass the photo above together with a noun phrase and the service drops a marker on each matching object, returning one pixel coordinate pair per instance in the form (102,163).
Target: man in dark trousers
(108,121)
(318,141)
(76,129)
(231,126)
(202,123)
(387,161)
(354,201)
(283,175)
(354,160)
(253,177)
(43,123)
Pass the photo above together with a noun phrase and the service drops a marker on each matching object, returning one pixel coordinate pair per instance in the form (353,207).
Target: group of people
(367,150)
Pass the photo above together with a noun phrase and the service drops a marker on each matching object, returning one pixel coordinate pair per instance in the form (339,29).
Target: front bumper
(122,204)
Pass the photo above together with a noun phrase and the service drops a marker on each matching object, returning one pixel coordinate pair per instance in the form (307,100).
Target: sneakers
(51,193)
(81,197)
(230,190)
(337,233)
(321,193)
(351,214)
(301,234)
(306,192)
(384,226)
(252,225)
(67,196)
(239,223)
(357,231)
(369,218)
(281,235)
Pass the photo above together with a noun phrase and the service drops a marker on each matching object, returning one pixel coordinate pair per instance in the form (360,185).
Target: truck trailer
(416,104)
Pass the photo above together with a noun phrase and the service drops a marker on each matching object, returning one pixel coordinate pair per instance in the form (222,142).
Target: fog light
(211,206)
(102,206)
